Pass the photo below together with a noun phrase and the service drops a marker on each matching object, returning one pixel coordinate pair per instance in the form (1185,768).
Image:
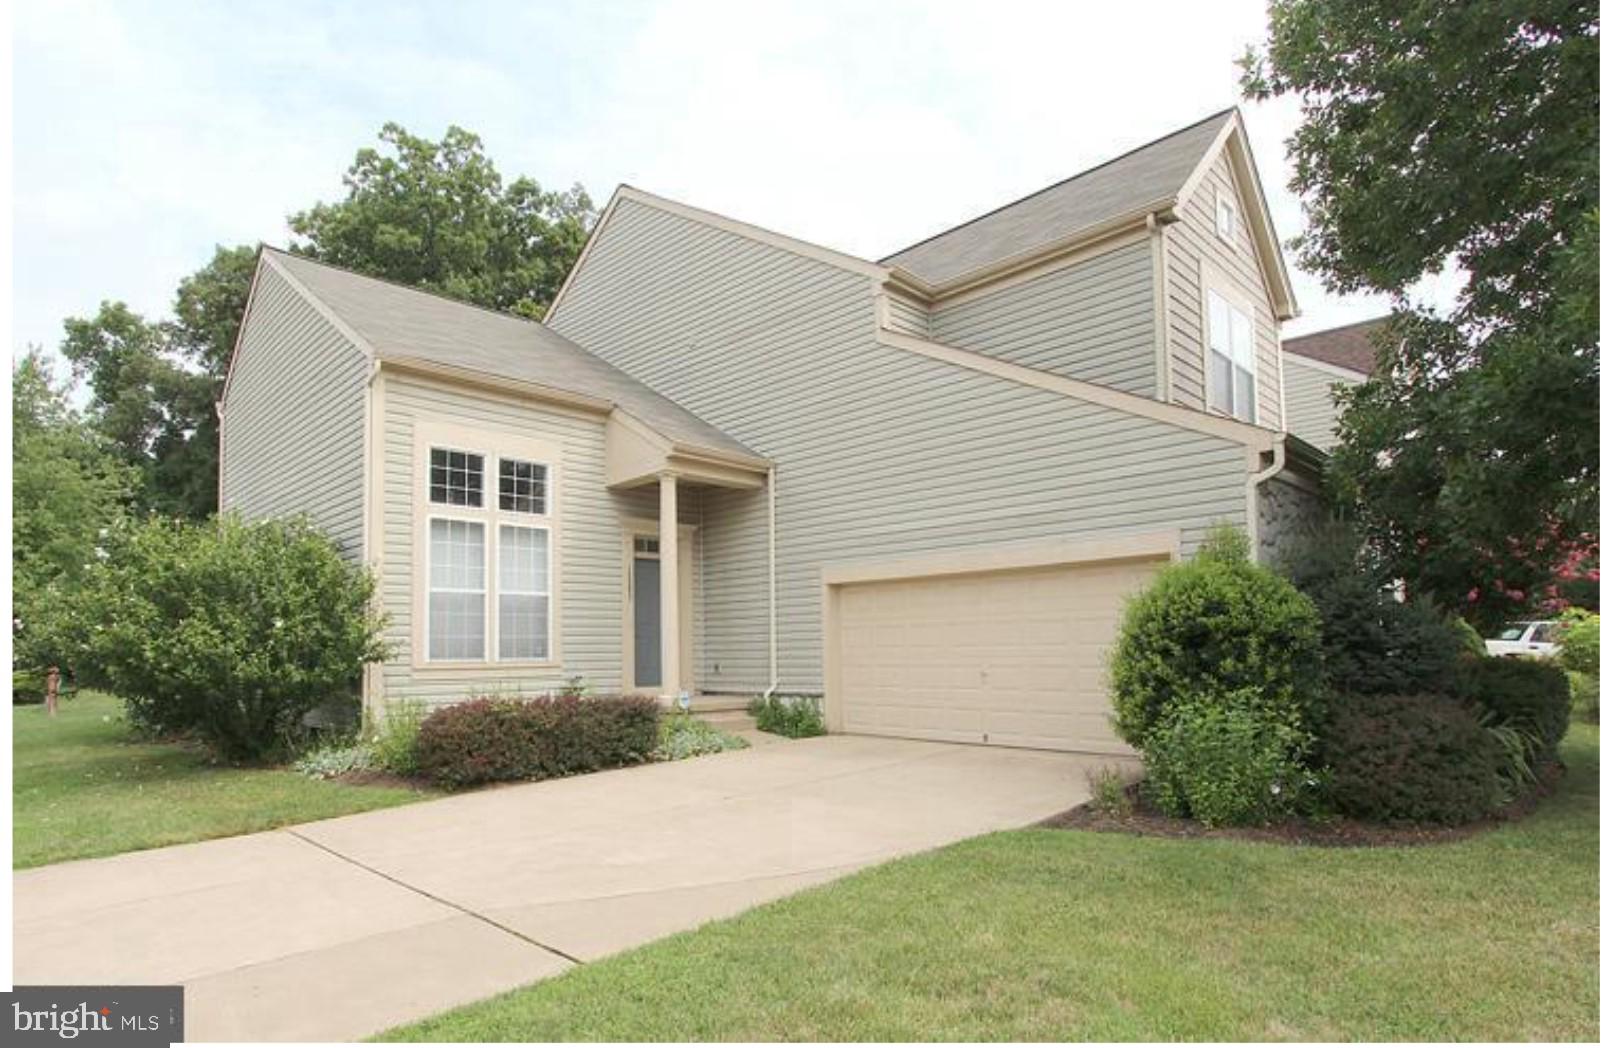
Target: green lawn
(81,786)
(1043,934)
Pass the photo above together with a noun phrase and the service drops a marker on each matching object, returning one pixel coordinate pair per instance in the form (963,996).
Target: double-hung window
(489,557)
(1232,366)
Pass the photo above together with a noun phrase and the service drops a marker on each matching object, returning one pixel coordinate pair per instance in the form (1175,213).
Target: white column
(668,553)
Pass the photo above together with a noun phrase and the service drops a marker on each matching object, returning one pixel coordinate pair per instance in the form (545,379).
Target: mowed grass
(82,786)
(1067,935)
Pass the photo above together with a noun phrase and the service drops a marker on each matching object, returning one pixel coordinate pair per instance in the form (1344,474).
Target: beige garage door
(1010,658)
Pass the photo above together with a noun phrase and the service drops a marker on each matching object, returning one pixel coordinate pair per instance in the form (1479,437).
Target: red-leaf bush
(515,739)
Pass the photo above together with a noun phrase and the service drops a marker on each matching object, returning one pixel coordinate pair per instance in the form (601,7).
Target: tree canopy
(67,488)
(1461,137)
(435,215)
(427,214)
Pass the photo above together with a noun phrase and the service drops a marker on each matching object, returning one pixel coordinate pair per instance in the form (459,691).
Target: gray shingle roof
(404,323)
(1153,172)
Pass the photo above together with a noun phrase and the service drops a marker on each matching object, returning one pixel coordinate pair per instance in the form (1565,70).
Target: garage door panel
(1013,658)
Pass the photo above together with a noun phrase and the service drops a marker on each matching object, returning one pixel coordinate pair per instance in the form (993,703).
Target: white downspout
(773,587)
(1276,466)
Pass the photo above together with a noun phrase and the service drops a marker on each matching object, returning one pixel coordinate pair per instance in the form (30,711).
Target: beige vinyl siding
(905,316)
(1311,411)
(589,555)
(1092,320)
(880,452)
(294,416)
(1191,247)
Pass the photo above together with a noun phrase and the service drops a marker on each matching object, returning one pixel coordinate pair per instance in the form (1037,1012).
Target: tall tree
(427,214)
(67,485)
(1459,136)
(153,385)
(435,215)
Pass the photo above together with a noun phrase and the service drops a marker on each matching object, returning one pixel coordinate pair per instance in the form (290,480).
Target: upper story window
(456,478)
(522,486)
(1224,217)
(1232,364)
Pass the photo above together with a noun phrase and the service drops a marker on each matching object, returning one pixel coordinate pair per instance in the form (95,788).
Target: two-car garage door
(1010,658)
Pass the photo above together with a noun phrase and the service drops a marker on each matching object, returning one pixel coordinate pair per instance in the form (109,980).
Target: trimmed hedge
(1409,758)
(1529,694)
(1217,628)
(515,739)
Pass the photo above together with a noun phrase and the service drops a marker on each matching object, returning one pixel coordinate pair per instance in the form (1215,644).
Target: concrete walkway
(335,930)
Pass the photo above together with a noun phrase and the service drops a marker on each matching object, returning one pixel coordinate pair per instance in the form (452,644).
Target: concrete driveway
(335,930)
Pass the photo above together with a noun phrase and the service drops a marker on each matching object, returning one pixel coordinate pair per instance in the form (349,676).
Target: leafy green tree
(1457,135)
(436,215)
(154,385)
(67,489)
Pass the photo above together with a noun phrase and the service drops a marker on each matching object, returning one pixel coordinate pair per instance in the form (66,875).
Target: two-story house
(733,462)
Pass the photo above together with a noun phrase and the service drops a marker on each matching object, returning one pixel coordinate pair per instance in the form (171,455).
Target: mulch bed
(1144,821)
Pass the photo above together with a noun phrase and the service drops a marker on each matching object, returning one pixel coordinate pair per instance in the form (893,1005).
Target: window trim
(494,445)
(1238,302)
(429,590)
(550,629)
(1222,205)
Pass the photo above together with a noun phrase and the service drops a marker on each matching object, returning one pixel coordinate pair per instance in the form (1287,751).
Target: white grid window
(456,478)
(1224,218)
(523,581)
(456,590)
(522,486)
(1232,367)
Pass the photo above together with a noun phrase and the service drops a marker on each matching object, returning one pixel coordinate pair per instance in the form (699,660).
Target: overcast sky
(145,133)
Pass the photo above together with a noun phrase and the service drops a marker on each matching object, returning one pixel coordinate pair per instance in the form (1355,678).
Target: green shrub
(1468,636)
(336,759)
(395,742)
(1109,791)
(1227,762)
(679,735)
(1578,641)
(793,716)
(1372,642)
(513,739)
(227,630)
(1583,696)
(1216,628)
(1530,694)
(1409,758)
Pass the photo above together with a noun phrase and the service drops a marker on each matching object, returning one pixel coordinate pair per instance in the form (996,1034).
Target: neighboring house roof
(1348,347)
(403,324)
(1145,178)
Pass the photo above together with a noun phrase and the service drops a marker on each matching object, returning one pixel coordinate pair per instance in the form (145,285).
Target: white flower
(1275,789)
(278,624)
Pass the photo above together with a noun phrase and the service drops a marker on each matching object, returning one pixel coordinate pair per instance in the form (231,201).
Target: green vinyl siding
(294,416)
(880,452)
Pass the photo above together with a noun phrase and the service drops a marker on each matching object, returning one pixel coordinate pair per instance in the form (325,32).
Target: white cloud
(146,134)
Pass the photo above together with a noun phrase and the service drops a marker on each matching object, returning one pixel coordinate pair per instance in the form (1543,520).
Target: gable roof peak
(1148,177)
